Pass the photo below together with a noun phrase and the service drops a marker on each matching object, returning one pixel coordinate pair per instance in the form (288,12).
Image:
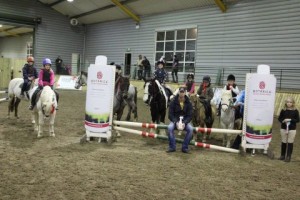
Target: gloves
(41,87)
(286,120)
(180,126)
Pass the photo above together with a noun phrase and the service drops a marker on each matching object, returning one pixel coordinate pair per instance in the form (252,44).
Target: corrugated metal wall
(248,34)
(54,36)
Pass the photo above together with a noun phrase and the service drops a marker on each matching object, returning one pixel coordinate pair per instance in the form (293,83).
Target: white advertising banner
(259,107)
(99,97)
(66,82)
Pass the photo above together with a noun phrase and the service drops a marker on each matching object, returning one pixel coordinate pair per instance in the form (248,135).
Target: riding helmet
(30,59)
(206,78)
(160,62)
(47,61)
(118,67)
(231,77)
(190,75)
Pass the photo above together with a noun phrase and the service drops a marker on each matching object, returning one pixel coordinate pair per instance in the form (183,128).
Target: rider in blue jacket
(29,73)
(160,74)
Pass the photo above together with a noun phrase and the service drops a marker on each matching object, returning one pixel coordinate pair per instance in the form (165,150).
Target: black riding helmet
(118,67)
(190,75)
(206,78)
(230,77)
(160,62)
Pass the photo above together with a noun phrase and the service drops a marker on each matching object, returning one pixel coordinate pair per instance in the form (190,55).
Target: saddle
(28,86)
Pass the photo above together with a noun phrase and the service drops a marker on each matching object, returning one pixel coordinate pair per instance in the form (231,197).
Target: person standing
(139,67)
(175,69)
(58,64)
(180,116)
(147,67)
(288,118)
(29,73)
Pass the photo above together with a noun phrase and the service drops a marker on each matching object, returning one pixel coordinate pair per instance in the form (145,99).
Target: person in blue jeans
(180,107)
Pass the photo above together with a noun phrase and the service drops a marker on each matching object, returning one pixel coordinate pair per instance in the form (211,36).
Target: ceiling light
(70,0)
(137,26)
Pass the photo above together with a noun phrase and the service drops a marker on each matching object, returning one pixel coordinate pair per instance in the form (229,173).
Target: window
(29,49)
(180,42)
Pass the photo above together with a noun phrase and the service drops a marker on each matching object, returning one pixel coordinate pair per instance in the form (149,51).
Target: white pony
(14,94)
(227,115)
(45,108)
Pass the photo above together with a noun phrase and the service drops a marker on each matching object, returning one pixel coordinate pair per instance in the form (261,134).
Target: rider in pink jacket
(46,78)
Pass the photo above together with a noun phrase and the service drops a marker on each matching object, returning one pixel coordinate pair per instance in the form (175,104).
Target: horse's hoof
(39,136)
(52,135)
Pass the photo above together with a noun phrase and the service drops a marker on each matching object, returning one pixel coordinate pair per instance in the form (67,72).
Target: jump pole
(156,136)
(160,126)
(3,99)
(3,92)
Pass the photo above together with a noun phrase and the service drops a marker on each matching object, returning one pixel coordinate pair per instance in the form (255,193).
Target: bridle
(230,105)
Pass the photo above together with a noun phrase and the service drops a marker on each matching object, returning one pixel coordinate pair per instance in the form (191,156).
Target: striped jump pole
(3,99)
(197,144)
(159,126)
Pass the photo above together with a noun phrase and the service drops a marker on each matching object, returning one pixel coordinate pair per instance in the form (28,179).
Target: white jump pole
(153,135)
(160,126)
(3,92)
(3,99)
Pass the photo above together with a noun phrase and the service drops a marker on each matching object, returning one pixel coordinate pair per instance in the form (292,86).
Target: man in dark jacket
(58,63)
(180,115)
(29,73)
(147,67)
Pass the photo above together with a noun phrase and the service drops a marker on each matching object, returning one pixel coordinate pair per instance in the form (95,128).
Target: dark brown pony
(199,115)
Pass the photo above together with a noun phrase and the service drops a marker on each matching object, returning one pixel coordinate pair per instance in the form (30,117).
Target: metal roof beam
(221,5)
(54,3)
(101,9)
(127,11)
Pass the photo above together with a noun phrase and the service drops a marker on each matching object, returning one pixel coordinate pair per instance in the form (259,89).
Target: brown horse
(199,115)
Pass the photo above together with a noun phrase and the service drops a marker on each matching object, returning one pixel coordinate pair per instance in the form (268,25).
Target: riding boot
(289,152)
(283,149)
(33,99)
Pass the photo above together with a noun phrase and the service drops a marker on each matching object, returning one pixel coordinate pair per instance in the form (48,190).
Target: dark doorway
(127,64)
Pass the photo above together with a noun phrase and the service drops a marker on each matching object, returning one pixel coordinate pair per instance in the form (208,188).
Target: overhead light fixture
(137,26)
(70,0)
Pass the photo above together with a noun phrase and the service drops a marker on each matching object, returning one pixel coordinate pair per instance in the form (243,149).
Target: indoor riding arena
(212,38)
